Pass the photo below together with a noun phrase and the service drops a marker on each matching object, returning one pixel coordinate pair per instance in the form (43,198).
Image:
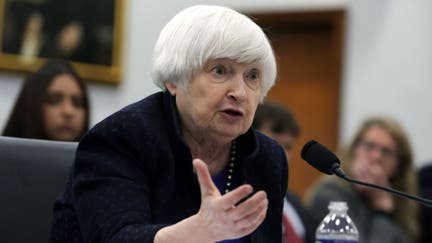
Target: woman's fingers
(232,215)
(249,206)
(207,187)
(246,216)
(230,199)
(248,224)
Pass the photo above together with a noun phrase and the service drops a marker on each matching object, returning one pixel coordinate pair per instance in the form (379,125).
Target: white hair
(201,33)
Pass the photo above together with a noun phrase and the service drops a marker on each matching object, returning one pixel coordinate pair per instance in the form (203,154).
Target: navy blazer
(133,175)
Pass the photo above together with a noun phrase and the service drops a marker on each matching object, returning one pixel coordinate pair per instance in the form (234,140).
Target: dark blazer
(133,175)
(310,224)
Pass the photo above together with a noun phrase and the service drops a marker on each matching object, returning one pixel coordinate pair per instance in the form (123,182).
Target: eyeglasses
(370,146)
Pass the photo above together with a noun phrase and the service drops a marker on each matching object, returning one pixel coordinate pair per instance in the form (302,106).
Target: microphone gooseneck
(322,159)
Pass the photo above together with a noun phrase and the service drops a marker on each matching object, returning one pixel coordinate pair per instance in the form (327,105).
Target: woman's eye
(219,70)
(253,75)
(78,101)
(54,99)
(253,78)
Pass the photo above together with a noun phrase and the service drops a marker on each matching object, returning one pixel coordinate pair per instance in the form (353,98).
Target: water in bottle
(337,226)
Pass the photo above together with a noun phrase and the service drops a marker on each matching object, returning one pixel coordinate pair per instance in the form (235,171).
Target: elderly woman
(183,165)
(379,153)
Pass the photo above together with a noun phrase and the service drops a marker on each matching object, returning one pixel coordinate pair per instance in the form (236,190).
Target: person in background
(183,164)
(52,104)
(379,153)
(277,122)
(425,189)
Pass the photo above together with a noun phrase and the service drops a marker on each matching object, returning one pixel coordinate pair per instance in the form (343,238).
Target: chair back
(32,174)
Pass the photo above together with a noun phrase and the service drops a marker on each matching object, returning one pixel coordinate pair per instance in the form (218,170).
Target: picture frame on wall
(86,33)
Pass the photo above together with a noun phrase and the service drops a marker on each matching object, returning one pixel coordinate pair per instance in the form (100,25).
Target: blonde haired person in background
(379,153)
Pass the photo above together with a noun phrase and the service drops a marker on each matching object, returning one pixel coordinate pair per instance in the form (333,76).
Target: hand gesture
(222,216)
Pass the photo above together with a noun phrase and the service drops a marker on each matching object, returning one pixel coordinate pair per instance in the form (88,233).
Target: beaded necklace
(231,164)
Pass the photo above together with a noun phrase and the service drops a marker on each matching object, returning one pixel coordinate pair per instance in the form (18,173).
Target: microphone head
(320,157)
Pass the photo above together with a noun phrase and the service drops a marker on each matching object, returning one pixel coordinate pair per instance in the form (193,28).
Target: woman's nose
(375,153)
(238,89)
(67,107)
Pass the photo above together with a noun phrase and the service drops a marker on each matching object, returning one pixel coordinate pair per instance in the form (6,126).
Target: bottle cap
(338,206)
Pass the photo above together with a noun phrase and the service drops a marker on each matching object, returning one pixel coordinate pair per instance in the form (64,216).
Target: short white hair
(201,33)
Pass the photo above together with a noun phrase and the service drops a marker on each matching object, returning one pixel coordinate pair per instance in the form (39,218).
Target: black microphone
(322,159)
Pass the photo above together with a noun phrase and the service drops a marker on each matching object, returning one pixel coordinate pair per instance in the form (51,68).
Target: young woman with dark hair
(53,104)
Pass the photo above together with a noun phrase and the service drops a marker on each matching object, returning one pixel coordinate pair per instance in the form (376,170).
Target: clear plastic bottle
(337,226)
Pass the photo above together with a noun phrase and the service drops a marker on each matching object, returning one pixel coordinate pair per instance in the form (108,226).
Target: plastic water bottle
(337,226)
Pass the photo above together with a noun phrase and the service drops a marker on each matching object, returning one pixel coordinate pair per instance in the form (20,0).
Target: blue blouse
(220,180)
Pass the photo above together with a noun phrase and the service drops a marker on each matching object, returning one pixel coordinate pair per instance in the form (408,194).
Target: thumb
(207,187)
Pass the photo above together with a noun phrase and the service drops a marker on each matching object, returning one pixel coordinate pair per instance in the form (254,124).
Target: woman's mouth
(233,115)
(232,112)
(66,128)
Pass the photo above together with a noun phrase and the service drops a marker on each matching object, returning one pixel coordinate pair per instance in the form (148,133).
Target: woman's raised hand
(222,216)
(372,172)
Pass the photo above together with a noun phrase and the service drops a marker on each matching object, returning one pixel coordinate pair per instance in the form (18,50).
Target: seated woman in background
(52,104)
(380,153)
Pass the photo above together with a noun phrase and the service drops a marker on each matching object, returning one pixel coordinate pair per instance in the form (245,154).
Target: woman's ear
(171,88)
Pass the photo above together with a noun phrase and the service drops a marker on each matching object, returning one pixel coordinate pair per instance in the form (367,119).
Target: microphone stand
(340,173)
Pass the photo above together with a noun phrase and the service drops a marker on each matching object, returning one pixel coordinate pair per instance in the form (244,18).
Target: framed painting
(86,33)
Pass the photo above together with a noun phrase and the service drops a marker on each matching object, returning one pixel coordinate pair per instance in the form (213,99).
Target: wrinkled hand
(220,215)
(372,172)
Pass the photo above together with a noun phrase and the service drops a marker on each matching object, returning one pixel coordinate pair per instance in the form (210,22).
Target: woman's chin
(64,136)
(230,134)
